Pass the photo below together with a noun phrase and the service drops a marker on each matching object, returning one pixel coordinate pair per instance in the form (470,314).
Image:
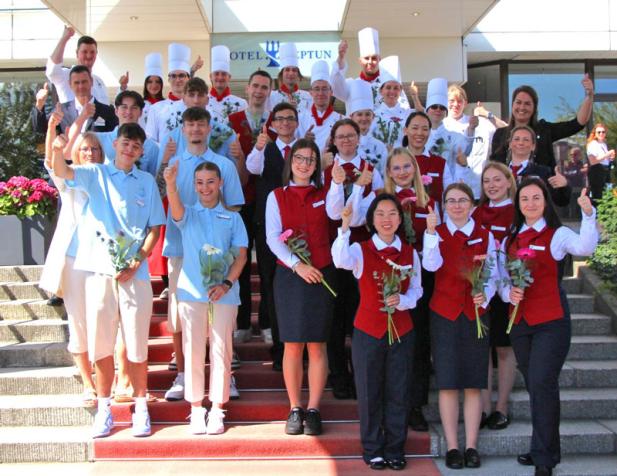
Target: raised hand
(41,96)
(55,117)
(461,158)
(235,149)
(170,150)
(262,139)
(68,32)
(557,180)
(309,134)
(473,123)
(197,65)
(59,143)
(413,88)
(327,159)
(170,174)
(365,178)
(480,110)
(124,81)
(587,85)
(342,49)
(346,215)
(431,221)
(88,110)
(338,172)
(585,203)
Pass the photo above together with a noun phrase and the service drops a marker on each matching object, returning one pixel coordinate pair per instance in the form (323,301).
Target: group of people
(395,224)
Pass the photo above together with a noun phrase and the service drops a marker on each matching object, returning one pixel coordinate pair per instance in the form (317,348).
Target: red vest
(497,220)
(303,209)
(358,233)
(240,124)
(452,294)
(369,318)
(433,166)
(418,217)
(541,302)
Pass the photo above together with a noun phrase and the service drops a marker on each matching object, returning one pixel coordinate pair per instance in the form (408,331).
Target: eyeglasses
(461,201)
(92,150)
(600,131)
(398,168)
(285,118)
(300,159)
(177,76)
(438,107)
(346,137)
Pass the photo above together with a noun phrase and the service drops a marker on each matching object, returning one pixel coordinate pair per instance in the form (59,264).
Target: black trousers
(244,310)
(540,352)
(422,348)
(597,176)
(345,307)
(382,374)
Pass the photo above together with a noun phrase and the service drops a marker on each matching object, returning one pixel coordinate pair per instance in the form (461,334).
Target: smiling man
(221,101)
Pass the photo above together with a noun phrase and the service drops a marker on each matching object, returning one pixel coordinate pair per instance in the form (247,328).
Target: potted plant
(27,207)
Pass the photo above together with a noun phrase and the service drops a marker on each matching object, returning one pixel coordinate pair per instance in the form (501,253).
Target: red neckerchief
(153,100)
(286,90)
(320,120)
(173,97)
(369,77)
(226,92)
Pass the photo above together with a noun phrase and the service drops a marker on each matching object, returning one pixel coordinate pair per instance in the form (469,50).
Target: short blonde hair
(456,91)
(92,139)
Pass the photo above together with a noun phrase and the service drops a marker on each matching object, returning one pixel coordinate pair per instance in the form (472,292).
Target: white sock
(104,404)
(141,405)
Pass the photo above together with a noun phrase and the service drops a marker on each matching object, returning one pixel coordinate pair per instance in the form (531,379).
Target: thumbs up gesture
(461,159)
(56,117)
(197,65)
(170,174)
(262,139)
(585,203)
(309,134)
(235,149)
(88,110)
(170,150)
(365,178)
(557,180)
(41,96)
(431,221)
(59,143)
(338,172)
(124,81)
(346,215)
(587,85)
(342,49)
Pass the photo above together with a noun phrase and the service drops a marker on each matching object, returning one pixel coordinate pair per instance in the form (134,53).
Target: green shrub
(604,260)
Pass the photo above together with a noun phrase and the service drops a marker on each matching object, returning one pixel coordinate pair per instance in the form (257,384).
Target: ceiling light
(415,14)
(133,18)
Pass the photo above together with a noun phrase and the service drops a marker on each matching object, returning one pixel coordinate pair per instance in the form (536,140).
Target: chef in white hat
(360,109)
(452,146)
(317,122)
(289,78)
(390,115)
(222,102)
(179,67)
(368,42)
(153,82)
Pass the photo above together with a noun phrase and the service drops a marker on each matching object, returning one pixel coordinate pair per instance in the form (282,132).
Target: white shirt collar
(294,184)
(503,203)
(380,244)
(281,145)
(538,226)
(467,229)
(80,106)
(397,189)
(356,161)
(523,165)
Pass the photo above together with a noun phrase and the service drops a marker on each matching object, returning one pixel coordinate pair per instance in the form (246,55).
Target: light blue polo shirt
(148,161)
(185,182)
(217,227)
(118,201)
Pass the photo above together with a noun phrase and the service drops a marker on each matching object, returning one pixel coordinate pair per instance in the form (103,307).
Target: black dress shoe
(472,458)
(483,420)
(312,422)
(377,463)
(454,459)
(543,471)
(397,464)
(417,422)
(277,366)
(497,421)
(525,459)
(340,388)
(294,425)
(55,301)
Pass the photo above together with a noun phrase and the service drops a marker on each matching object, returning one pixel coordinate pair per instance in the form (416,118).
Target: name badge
(99,121)
(498,228)
(319,203)
(537,247)
(224,217)
(433,174)
(140,203)
(474,242)
(421,215)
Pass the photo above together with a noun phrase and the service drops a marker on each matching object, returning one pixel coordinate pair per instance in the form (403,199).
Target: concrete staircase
(42,420)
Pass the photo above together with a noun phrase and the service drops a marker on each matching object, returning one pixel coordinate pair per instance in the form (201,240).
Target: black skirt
(303,310)
(460,359)
(497,320)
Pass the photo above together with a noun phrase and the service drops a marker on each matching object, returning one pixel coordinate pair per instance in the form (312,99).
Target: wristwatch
(490,115)
(228,283)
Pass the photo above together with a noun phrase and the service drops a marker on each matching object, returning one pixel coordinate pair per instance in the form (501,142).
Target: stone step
(591,324)
(14,274)
(44,330)
(42,354)
(572,285)
(25,309)
(581,303)
(45,444)
(27,290)
(593,348)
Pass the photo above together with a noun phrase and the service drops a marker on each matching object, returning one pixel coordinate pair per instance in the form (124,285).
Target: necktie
(515,170)
(286,151)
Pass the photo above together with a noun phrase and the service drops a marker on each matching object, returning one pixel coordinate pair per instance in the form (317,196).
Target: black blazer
(561,196)
(101,111)
(270,178)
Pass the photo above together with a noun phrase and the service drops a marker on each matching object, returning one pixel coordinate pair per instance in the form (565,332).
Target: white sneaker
(197,426)
(176,392)
(141,424)
(215,424)
(266,334)
(235,361)
(234,394)
(103,423)
(242,335)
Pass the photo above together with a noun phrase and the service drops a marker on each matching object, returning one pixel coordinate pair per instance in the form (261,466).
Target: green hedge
(604,260)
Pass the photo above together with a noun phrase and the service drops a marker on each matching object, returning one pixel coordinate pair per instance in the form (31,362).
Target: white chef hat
(360,96)
(390,70)
(154,65)
(219,57)
(437,92)
(368,40)
(179,57)
(320,71)
(288,55)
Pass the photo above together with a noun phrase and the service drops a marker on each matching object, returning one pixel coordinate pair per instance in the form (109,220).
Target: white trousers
(74,285)
(174,266)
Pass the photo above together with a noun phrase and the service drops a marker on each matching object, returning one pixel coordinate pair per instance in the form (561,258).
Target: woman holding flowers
(297,234)
(214,242)
(541,332)
(495,212)
(388,273)
(461,253)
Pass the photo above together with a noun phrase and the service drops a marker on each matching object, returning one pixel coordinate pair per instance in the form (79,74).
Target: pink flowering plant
(24,197)
(520,275)
(299,247)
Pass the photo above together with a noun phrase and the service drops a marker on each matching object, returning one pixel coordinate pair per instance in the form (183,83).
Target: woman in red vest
(495,212)
(460,358)
(541,333)
(382,359)
(303,304)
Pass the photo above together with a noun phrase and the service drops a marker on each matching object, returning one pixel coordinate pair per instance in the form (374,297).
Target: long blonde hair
(422,197)
(505,170)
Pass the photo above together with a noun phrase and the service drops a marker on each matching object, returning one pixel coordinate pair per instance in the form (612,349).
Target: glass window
(605,79)
(483,84)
